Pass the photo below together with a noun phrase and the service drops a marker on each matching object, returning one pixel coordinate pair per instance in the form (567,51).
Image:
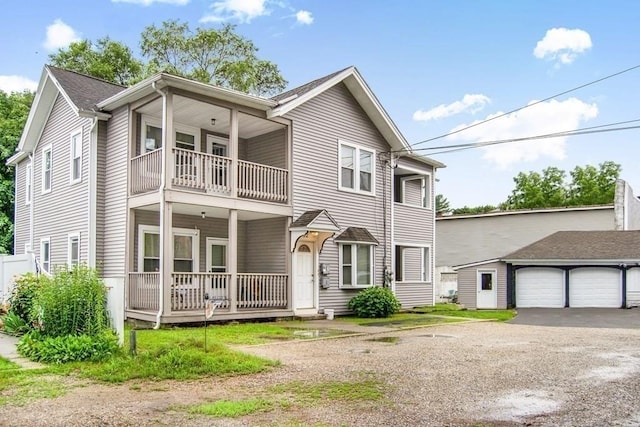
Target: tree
(106,59)
(220,57)
(442,204)
(474,210)
(591,186)
(537,191)
(14,109)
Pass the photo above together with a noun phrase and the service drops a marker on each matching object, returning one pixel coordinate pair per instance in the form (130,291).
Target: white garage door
(540,287)
(595,287)
(633,287)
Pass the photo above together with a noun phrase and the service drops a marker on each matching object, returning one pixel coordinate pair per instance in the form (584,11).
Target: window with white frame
(186,137)
(356,264)
(185,249)
(357,168)
(47,168)
(28,187)
(73,250)
(45,254)
(415,190)
(76,156)
(413,264)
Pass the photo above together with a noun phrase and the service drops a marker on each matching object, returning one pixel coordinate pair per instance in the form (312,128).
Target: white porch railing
(260,290)
(202,171)
(262,182)
(189,290)
(145,172)
(144,291)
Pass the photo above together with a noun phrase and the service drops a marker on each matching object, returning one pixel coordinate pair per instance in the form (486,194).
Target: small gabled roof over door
(317,223)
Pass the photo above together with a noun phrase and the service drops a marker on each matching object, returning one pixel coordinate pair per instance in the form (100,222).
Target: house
(179,191)
(468,241)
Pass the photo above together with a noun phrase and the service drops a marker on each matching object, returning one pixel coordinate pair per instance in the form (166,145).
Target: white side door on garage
(595,287)
(539,287)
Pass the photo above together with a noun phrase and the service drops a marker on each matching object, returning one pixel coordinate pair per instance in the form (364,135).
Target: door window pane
(218,261)
(487,281)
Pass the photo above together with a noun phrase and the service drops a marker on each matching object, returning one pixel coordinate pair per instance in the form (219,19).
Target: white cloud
(470,102)
(150,2)
(60,35)
(304,17)
(543,118)
(10,84)
(242,11)
(562,45)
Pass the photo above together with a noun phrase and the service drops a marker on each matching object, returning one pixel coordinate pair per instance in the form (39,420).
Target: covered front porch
(184,255)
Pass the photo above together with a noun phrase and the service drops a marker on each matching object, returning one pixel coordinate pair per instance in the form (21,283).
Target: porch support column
(233,153)
(288,255)
(233,260)
(130,259)
(166,254)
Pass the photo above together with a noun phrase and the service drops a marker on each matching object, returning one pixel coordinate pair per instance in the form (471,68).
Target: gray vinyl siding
(268,149)
(21,213)
(412,224)
(266,246)
(414,294)
(412,264)
(413,192)
(315,183)
(64,210)
(115,194)
(464,240)
(101,158)
(468,284)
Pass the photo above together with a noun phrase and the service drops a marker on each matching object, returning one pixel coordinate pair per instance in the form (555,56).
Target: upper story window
(28,186)
(45,254)
(357,168)
(47,168)
(74,250)
(76,156)
(185,137)
(414,190)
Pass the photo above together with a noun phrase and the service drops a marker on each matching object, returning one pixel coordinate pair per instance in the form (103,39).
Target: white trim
(218,242)
(356,168)
(73,155)
(27,248)
(577,262)
(47,149)
(494,285)
(93,193)
(424,264)
(314,247)
(473,264)
(70,238)
(392,249)
(177,127)
(154,229)
(425,190)
(354,265)
(525,212)
(46,240)
(433,239)
(28,184)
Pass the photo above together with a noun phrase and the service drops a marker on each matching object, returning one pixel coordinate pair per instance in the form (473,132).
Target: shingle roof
(306,218)
(582,245)
(356,234)
(301,90)
(84,91)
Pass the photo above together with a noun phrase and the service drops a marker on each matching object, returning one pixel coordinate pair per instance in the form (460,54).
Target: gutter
(163,183)
(93,187)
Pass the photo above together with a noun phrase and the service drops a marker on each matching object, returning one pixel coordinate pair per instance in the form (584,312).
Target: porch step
(314,316)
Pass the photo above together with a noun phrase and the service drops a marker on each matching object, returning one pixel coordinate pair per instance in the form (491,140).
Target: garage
(595,287)
(540,287)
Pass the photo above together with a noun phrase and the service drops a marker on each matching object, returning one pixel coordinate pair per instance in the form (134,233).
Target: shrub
(14,324)
(23,295)
(68,348)
(72,302)
(374,302)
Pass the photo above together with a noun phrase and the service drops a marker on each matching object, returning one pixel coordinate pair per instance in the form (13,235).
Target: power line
(527,106)
(462,147)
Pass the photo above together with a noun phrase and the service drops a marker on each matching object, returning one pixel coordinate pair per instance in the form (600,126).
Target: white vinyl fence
(11,266)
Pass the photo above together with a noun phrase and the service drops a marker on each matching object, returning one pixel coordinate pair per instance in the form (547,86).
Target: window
(45,254)
(414,191)
(76,156)
(185,249)
(47,169)
(28,187)
(186,137)
(357,166)
(74,250)
(413,264)
(356,265)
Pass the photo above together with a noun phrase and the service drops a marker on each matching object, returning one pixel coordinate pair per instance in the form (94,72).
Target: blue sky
(435,66)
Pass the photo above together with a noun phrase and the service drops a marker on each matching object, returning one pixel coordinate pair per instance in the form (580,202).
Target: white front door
(216,286)
(303,280)
(487,289)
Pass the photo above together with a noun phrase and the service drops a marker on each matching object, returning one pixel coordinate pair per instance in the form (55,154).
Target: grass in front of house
(20,386)
(295,393)
(7,364)
(398,319)
(455,310)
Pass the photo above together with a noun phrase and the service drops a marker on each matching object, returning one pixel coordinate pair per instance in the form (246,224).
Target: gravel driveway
(471,374)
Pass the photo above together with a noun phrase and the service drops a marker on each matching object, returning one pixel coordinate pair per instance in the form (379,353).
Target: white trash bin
(329,313)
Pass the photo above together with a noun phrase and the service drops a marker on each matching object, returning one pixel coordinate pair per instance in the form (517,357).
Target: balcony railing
(257,291)
(262,182)
(211,174)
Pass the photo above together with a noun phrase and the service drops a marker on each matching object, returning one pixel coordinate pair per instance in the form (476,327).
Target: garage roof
(582,245)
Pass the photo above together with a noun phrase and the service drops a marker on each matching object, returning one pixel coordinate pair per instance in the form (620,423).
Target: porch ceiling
(210,212)
(191,112)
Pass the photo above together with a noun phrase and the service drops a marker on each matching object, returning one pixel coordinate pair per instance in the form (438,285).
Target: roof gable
(316,219)
(82,91)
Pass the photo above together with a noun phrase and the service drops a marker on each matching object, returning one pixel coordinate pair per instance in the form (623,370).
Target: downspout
(31,221)
(432,252)
(93,186)
(163,175)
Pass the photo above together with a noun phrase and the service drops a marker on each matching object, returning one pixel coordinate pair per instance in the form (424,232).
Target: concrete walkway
(8,351)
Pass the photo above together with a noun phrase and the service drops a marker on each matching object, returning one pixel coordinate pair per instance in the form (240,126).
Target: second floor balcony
(212,150)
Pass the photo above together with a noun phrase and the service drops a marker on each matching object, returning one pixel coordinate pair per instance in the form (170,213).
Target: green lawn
(454,310)
(6,364)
